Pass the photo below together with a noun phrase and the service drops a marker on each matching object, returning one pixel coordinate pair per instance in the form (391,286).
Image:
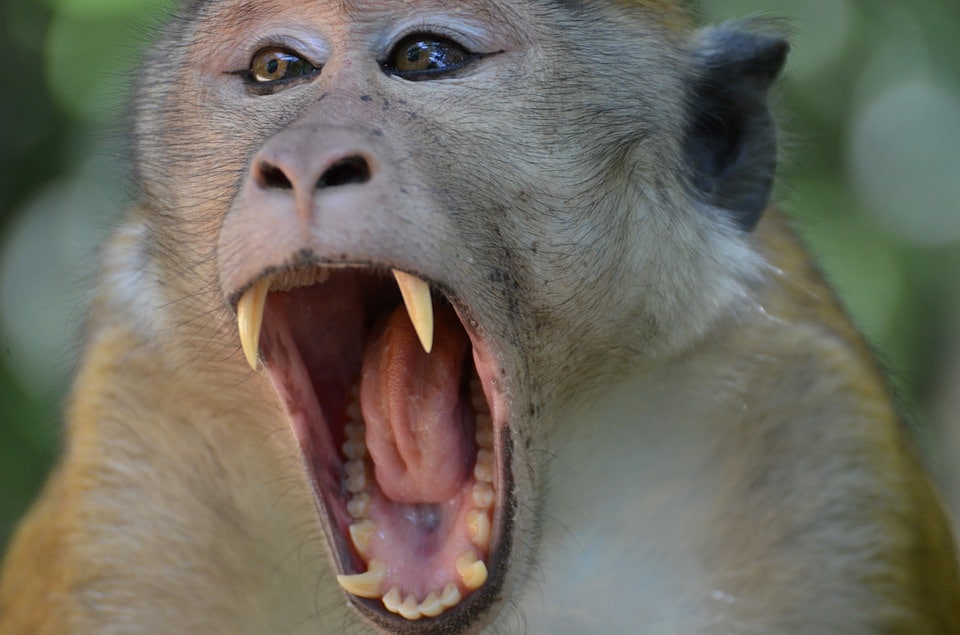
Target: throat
(418,423)
(422,555)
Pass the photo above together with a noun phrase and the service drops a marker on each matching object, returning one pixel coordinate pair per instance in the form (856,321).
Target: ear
(731,142)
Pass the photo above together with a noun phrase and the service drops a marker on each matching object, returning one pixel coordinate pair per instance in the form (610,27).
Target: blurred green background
(871,109)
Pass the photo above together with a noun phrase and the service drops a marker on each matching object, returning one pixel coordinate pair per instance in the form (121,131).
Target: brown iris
(423,55)
(276,65)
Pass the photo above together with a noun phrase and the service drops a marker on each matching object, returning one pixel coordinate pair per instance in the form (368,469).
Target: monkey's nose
(353,169)
(310,165)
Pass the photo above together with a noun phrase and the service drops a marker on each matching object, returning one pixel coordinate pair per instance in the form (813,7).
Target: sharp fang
(250,318)
(365,585)
(473,573)
(416,297)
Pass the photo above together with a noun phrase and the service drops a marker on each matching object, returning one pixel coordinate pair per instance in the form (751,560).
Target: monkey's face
(364,182)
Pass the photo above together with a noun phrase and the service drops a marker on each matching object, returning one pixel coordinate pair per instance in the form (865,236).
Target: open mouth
(397,407)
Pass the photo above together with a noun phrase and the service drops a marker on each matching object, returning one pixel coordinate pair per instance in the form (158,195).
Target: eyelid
(388,65)
(470,39)
(310,48)
(258,87)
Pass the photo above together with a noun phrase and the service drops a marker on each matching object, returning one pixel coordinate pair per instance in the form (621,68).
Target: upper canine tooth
(250,318)
(416,297)
(365,585)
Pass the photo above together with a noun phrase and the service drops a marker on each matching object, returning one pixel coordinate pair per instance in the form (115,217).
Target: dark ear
(731,143)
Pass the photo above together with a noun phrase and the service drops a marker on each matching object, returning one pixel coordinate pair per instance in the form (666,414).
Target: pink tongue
(412,408)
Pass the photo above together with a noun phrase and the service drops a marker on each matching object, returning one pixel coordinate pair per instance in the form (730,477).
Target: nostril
(271,176)
(346,171)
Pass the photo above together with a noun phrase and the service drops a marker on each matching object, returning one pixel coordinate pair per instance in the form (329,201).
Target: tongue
(415,418)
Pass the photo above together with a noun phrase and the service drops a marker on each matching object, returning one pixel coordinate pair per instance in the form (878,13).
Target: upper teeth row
(415,292)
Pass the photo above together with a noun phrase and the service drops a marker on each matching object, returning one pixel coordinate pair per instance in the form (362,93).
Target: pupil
(273,66)
(413,54)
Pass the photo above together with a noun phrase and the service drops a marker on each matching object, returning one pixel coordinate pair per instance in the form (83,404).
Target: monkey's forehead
(675,13)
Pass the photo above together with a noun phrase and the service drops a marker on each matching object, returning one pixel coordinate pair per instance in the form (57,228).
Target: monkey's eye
(426,56)
(272,65)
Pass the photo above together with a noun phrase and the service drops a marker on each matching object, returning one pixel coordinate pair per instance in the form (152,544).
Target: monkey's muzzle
(395,406)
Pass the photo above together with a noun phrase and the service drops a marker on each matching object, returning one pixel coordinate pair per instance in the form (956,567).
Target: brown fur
(701,441)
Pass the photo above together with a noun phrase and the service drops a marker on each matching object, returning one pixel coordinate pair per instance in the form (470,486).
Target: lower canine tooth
(365,585)
(392,600)
(431,606)
(472,571)
(409,609)
(250,318)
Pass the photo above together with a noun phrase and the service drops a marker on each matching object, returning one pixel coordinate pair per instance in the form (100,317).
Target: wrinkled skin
(690,436)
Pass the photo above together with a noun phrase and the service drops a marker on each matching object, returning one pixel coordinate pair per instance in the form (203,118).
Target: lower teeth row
(470,568)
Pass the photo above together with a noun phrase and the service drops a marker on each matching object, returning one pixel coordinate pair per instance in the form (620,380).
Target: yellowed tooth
(431,607)
(354,450)
(483,496)
(450,596)
(409,609)
(361,533)
(472,571)
(416,297)
(478,524)
(392,600)
(250,318)
(354,431)
(365,585)
(356,480)
(354,414)
(477,399)
(484,433)
(359,505)
(483,470)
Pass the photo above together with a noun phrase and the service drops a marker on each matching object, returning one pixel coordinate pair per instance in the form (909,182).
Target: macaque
(463,317)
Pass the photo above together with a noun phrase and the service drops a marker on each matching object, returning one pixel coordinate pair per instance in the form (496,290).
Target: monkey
(471,317)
